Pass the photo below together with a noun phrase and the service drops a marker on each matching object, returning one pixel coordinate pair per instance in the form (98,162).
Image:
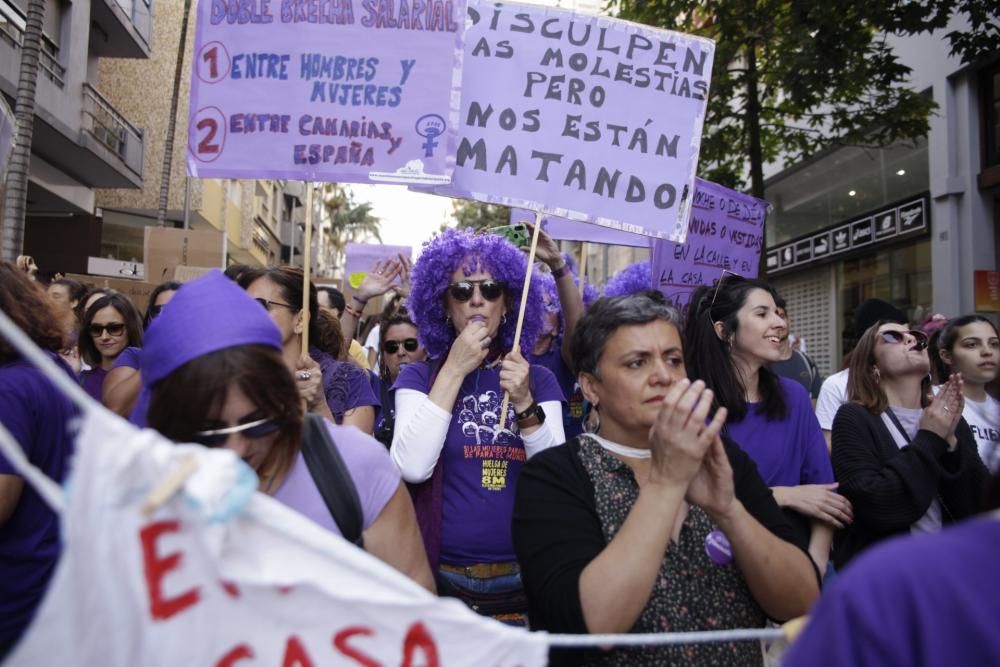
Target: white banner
(221,575)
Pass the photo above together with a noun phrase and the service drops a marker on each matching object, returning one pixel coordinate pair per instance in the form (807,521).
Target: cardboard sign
(183,274)
(360,257)
(137,291)
(326,91)
(725,233)
(166,248)
(585,117)
(221,575)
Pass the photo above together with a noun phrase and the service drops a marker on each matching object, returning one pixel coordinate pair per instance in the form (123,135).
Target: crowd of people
(621,467)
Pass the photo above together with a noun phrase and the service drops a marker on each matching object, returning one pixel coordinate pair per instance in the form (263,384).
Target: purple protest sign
(725,233)
(585,117)
(564,229)
(340,91)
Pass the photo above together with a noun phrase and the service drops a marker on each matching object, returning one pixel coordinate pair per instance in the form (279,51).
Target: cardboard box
(137,291)
(166,248)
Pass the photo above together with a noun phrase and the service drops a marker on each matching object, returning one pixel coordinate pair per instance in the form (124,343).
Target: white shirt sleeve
(371,342)
(832,395)
(551,434)
(421,428)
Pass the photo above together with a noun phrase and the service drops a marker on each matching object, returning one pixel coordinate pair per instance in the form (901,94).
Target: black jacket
(891,488)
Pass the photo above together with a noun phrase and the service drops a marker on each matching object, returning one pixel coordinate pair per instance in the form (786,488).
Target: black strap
(332,478)
(898,425)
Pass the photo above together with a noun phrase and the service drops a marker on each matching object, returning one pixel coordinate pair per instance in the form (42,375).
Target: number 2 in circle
(206,145)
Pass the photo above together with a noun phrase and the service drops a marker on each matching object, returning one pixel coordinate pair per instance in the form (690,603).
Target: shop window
(901,276)
(991,120)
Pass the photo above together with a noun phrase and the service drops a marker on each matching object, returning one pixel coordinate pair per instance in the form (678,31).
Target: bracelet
(363,302)
(351,311)
(528,412)
(561,271)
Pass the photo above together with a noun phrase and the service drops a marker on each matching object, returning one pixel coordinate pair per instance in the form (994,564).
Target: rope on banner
(667,638)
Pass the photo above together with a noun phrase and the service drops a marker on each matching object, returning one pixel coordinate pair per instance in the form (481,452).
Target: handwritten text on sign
(584,117)
(342,90)
(725,233)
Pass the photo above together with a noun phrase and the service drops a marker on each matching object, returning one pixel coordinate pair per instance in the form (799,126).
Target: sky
(408,218)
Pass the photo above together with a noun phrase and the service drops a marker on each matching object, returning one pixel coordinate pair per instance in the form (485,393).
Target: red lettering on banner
(156,569)
(418,639)
(241,652)
(231,589)
(295,654)
(340,643)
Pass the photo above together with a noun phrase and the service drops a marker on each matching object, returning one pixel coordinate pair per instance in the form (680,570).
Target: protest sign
(725,233)
(339,90)
(564,229)
(220,575)
(183,274)
(137,291)
(359,258)
(166,248)
(585,117)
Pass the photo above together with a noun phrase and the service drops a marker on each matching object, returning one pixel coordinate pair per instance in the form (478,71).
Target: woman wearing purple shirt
(36,414)
(110,325)
(213,361)
(448,433)
(733,331)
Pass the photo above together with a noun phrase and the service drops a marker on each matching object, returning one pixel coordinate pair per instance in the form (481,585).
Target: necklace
(622,450)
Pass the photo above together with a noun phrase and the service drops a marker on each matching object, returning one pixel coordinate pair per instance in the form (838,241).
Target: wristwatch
(533,416)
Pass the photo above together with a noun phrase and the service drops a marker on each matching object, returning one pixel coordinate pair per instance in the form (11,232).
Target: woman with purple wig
(465,291)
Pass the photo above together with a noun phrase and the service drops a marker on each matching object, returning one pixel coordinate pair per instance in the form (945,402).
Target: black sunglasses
(392,346)
(255,429)
(266,305)
(893,337)
(114,328)
(490,289)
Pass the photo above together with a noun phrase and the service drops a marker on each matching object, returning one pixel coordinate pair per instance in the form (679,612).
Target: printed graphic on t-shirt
(494,447)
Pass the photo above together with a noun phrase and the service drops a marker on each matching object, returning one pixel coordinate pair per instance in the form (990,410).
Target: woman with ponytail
(335,389)
(732,332)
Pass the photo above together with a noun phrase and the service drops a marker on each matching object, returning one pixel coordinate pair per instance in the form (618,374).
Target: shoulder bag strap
(332,478)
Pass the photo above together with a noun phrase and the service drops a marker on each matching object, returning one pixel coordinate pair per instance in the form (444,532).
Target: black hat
(874,311)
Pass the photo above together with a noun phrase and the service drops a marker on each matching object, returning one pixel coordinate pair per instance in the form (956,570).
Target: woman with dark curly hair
(36,414)
(398,346)
(339,390)
(465,291)
(110,324)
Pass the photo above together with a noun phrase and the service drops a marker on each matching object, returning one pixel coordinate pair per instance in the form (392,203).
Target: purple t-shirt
(131,357)
(787,452)
(36,414)
(481,463)
(345,385)
(915,600)
(573,410)
(93,382)
(375,477)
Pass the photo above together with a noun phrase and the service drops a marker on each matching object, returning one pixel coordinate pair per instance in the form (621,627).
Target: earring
(593,423)
(503,319)
(877,374)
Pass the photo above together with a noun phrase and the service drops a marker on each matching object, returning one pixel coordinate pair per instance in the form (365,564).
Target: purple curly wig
(633,278)
(590,293)
(441,257)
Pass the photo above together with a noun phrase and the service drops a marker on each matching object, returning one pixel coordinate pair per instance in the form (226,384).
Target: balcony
(108,134)
(120,28)
(12,33)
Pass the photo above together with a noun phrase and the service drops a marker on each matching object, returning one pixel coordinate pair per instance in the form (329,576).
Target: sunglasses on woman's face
(255,429)
(893,337)
(113,329)
(392,346)
(490,289)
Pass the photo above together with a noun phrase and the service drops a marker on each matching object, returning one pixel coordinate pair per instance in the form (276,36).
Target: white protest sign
(208,580)
(339,90)
(585,117)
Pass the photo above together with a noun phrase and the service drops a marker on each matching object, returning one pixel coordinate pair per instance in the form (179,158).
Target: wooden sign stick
(582,275)
(524,303)
(306,266)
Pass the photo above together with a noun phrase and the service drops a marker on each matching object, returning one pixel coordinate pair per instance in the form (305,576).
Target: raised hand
(309,382)
(470,348)
(515,379)
(942,415)
(712,488)
(547,250)
(680,437)
(379,279)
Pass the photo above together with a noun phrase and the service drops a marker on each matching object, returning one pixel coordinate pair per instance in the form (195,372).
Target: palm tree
(168,142)
(24,112)
(349,222)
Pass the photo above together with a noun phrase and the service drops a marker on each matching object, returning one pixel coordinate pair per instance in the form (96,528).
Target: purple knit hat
(210,314)
(454,249)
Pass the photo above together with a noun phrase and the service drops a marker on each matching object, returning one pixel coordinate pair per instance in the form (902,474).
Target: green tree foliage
(479,215)
(795,77)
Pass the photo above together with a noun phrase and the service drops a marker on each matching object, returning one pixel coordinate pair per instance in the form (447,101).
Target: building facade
(910,224)
(82,141)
